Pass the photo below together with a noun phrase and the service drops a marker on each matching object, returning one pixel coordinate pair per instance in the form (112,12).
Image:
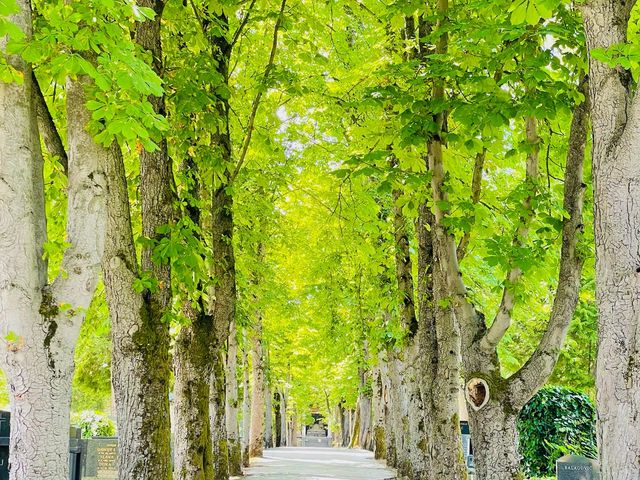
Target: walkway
(318,464)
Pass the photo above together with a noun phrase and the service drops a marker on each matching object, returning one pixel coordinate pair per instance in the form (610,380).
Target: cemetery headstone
(575,467)
(5,419)
(75,453)
(100,459)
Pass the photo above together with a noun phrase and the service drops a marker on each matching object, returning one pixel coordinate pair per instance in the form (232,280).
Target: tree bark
(218,421)
(379,407)
(233,404)
(256,442)
(40,336)
(193,453)
(141,367)
(277,410)
(616,139)
(445,447)
(268,422)
(246,406)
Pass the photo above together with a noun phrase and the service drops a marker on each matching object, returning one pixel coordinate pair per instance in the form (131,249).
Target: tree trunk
(294,429)
(40,336)
(268,423)
(445,441)
(277,408)
(365,422)
(355,427)
(193,454)
(283,418)
(217,414)
(616,139)
(246,406)
(256,442)
(495,439)
(232,404)
(141,367)
(379,407)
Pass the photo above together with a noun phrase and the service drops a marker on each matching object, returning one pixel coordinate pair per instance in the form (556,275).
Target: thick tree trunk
(616,140)
(345,426)
(256,442)
(445,441)
(495,439)
(193,454)
(233,404)
(277,410)
(355,427)
(217,414)
(141,367)
(379,407)
(283,419)
(246,406)
(365,422)
(40,336)
(268,419)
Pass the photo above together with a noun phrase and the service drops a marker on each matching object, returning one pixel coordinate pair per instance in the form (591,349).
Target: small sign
(101,462)
(575,467)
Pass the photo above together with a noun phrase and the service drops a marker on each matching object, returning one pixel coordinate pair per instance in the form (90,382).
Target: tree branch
(258,97)
(476,189)
(243,24)
(47,128)
(502,320)
(540,365)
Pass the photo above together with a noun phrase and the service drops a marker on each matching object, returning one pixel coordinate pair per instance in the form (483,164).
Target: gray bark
(616,174)
(268,419)
(256,441)
(40,337)
(233,404)
(218,421)
(193,454)
(141,366)
(246,406)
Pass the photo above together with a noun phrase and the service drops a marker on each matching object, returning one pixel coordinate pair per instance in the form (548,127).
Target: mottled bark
(40,336)
(378,414)
(268,418)
(193,454)
(217,414)
(256,441)
(411,455)
(246,406)
(141,367)
(445,448)
(193,360)
(616,170)
(233,404)
(277,411)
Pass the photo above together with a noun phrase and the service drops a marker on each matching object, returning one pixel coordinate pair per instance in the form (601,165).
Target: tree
(41,319)
(616,137)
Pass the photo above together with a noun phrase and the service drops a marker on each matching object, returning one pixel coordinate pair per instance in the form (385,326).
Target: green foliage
(94,424)
(557,421)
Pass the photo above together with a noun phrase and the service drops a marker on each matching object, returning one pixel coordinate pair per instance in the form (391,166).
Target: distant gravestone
(101,457)
(5,418)
(575,467)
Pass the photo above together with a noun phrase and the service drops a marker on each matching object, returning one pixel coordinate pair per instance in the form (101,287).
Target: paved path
(318,464)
